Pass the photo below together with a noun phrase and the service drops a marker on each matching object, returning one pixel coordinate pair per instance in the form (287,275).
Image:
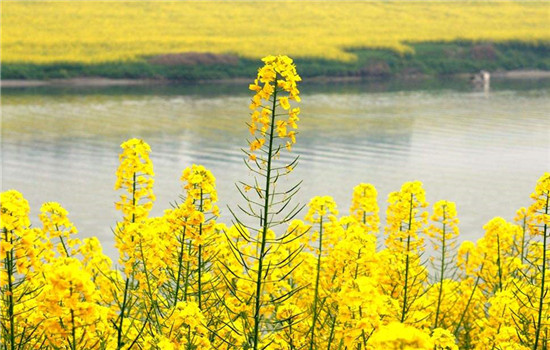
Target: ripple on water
(484,152)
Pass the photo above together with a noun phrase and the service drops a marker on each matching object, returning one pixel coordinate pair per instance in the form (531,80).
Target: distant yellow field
(92,32)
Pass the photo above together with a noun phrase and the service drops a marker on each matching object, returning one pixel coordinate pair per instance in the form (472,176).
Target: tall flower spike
(364,206)
(319,209)
(405,220)
(135,174)
(18,243)
(443,233)
(273,125)
(15,211)
(200,186)
(57,225)
(405,217)
(18,256)
(540,210)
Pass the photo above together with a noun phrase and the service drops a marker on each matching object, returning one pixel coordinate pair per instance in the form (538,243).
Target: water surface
(483,150)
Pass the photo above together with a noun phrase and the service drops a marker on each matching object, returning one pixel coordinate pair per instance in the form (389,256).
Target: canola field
(91,32)
(269,276)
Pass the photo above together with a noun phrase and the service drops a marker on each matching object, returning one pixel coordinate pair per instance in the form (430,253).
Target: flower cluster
(135,175)
(56,224)
(320,207)
(200,186)
(18,241)
(364,206)
(406,217)
(538,210)
(276,85)
(338,286)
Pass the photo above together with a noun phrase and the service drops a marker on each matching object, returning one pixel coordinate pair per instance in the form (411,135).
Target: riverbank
(428,59)
(107,82)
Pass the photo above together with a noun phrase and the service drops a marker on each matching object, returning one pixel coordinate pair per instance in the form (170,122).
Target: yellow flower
(278,78)
(405,217)
(57,225)
(15,211)
(398,336)
(364,206)
(443,339)
(135,175)
(284,102)
(200,185)
(256,144)
(319,207)
(539,211)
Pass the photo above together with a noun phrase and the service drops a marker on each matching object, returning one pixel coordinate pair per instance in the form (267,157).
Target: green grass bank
(428,58)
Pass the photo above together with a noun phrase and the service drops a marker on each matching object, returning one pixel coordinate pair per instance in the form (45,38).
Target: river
(483,150)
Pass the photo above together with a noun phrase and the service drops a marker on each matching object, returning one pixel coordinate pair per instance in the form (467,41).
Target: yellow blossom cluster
(444,212)
(135,174)
(200,186)
(276,85)
(399,336)
(539,209)
(56,224)
(50,302)
(406,217)
(344,289)
(19,243)
(320,207)
(364,206)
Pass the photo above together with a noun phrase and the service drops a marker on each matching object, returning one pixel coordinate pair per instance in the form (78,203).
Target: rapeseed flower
(276,85)
(135,175)
(398,336)
(364,206)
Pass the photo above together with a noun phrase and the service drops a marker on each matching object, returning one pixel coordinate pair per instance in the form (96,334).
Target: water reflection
(484,152)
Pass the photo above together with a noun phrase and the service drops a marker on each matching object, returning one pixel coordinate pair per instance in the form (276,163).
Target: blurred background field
(177,40)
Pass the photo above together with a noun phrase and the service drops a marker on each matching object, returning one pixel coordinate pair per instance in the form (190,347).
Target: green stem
(122,310)
(499,263)
(469,300)
(317,278)
(443,246)
(199,262)
(357,264)
(154,304)
(126,284)
(363,336)
(265,225)
(523,228)
(11,316)
(187,274)
(62,242)
(73,330)
(404,309)
(291,343)
(543,275)
(331,335)
(180,266)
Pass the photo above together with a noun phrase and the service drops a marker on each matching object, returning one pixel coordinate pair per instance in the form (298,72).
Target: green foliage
(427,58)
